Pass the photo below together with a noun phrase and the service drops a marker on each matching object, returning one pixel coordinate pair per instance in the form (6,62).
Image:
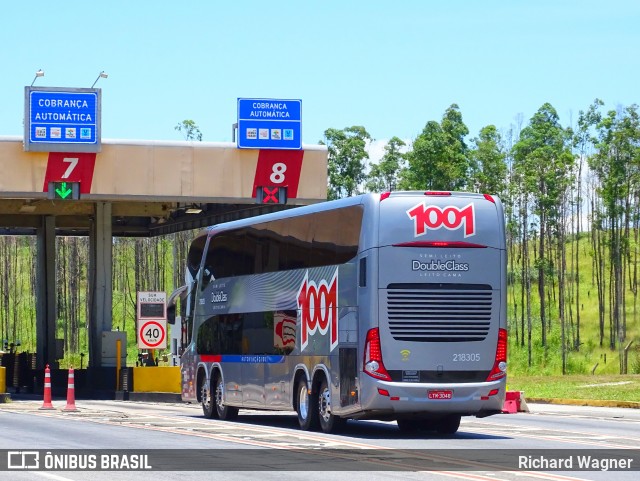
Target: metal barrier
(156,379)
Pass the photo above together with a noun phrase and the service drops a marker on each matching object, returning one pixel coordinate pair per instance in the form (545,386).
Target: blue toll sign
(269,124)
(62,119)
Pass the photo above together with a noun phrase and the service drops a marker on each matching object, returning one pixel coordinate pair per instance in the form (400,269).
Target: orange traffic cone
(71,393)
(47,389)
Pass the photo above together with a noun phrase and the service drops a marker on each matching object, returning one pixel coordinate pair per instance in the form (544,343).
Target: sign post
(269,124)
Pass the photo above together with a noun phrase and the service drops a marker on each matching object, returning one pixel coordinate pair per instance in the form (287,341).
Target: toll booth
(187,185)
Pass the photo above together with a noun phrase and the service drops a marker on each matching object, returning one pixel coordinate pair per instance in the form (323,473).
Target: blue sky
(389,66)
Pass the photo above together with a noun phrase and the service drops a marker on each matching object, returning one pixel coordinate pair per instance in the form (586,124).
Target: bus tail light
(446,244)
(373,364)
(500,365)
(438,193)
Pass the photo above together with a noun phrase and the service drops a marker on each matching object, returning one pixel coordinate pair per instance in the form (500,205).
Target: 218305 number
(466,357)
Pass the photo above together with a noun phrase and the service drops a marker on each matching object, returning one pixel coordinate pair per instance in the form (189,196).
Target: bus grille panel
(439,313)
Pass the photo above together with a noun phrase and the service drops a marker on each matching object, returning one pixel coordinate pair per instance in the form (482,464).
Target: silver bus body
(381,306)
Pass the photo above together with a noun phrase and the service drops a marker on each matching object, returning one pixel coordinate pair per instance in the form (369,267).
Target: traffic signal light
(271,195)
(63,191)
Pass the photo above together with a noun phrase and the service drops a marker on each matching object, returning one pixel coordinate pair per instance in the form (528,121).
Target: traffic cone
(47,389)
(71,393)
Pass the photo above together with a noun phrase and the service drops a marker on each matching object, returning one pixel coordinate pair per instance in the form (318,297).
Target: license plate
(440,394)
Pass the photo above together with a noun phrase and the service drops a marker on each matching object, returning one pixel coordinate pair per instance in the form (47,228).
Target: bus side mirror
(171,314)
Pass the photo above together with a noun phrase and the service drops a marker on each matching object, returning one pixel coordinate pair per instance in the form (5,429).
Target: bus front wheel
(307,407)
(226,413)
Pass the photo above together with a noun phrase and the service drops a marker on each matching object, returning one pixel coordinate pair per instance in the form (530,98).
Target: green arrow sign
(62,190)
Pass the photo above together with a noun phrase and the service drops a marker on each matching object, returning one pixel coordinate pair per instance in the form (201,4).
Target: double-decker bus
(381,306)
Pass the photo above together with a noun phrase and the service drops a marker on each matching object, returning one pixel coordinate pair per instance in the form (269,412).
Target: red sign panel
(70,167)
(279,168)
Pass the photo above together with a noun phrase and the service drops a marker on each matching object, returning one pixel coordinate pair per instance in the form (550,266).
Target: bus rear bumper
(398,399)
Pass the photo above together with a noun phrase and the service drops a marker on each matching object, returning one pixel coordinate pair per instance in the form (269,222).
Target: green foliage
(189,129)
(439,159)
(634,362)
(488,163)
(543,159)
(384,175)
(17,285)
(138,265)
(347,154)
(582,358)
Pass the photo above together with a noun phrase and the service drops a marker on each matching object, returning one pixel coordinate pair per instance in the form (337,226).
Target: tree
(189,130)
(543,158)
(617,166)
(583,141)
(347,154)
(439,158)
(488,161)
(384,175)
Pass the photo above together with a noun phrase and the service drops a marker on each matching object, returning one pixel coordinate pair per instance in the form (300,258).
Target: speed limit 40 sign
(152,333)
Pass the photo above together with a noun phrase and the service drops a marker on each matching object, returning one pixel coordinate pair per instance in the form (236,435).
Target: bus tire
(329,422)
(306,406)
(207,401)
(407,425)
(224,412)
(448,424)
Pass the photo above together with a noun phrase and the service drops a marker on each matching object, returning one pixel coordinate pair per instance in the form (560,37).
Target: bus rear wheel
(448,424)
(307,407)
(407,426)
(329,422)
(226,413)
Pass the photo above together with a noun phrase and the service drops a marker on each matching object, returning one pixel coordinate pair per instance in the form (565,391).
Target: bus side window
(207,277)
(187,308)
(208,338)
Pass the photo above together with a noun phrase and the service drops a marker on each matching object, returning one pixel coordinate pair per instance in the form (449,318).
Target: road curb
(587,402)
(157,397)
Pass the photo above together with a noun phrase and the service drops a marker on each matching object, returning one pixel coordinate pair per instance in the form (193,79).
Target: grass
(584,387)
(591,356)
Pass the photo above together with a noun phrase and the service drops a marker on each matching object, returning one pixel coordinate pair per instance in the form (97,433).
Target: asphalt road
(272,447)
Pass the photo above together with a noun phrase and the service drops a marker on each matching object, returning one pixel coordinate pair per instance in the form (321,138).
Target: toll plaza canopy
(137,188)
(152,187)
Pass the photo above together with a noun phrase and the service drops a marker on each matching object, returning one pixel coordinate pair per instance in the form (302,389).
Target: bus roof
(328,205)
